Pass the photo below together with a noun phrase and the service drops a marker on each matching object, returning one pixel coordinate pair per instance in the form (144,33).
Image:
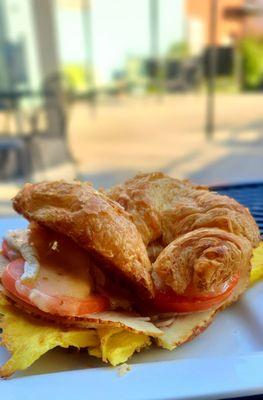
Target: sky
(120,29)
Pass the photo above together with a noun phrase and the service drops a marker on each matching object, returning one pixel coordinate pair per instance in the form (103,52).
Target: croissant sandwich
(150,260)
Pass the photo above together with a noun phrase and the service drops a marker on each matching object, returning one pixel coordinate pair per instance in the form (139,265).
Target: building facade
(235,19)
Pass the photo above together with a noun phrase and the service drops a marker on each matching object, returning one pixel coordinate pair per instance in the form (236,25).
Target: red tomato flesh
(191,300)
(50,295)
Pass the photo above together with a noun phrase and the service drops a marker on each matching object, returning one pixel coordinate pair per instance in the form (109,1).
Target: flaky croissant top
(191,233)
(154,230)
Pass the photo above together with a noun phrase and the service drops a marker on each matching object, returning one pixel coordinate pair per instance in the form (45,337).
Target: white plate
(225,361)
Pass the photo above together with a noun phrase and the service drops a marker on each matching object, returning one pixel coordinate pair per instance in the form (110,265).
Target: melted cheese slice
(62,267)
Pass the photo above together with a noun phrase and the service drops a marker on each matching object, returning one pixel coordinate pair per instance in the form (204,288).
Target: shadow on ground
(243,161)
(234,168)
(109,178)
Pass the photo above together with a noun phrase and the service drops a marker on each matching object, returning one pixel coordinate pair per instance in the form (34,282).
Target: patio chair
(14,158)
(43,151)
(48,144)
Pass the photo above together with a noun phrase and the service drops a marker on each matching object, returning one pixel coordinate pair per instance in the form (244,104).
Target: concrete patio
(131,135)
(144,135)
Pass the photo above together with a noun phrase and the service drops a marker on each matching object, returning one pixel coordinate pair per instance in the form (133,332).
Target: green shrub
(251,49)
(79,76)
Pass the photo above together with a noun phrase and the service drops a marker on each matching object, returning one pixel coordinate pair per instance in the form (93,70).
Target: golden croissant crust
(164,208)
(93,221)
(191,234)
(206,257)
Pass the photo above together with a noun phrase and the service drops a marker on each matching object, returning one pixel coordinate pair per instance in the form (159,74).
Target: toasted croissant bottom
(206,257)
(164,208)
(93,221)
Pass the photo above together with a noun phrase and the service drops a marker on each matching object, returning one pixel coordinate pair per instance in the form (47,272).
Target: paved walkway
(129,136)
(133,136)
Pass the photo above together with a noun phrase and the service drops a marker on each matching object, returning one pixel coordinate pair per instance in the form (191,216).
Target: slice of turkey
(125,320)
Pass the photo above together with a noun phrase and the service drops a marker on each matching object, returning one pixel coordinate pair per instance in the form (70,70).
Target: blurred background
(100,90)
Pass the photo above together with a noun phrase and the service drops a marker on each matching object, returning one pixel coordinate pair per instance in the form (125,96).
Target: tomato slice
(54,304)
(192,301)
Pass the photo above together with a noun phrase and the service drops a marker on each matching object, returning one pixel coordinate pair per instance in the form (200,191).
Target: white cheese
(19,240)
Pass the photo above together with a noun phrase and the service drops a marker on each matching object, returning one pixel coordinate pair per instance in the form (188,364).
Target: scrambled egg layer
(28,339)
(117,345)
